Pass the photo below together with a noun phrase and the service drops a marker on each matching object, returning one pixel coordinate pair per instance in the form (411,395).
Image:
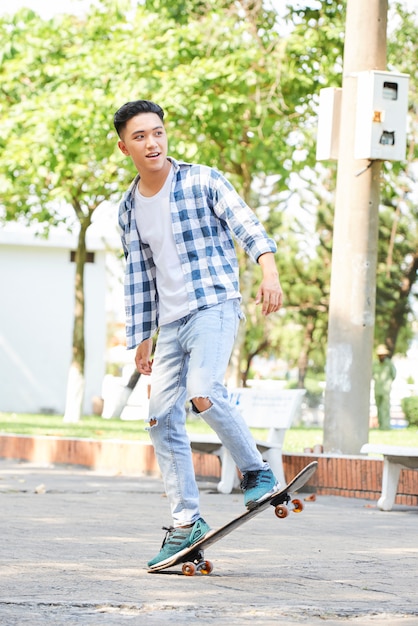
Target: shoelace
(170,535)
(250,480)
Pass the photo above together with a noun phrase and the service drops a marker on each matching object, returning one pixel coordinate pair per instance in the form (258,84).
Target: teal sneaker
(257,486)
(178,539)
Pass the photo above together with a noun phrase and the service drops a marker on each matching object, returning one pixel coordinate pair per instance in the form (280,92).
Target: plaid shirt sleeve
(141,298)
(247,229)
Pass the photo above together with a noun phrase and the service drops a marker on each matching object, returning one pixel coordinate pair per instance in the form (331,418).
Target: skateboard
(192,558)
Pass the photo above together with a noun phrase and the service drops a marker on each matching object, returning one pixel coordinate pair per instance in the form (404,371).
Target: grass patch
(94,427)
(89,427)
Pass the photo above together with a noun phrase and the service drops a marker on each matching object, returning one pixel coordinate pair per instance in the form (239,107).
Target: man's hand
(143,357)
(270,293)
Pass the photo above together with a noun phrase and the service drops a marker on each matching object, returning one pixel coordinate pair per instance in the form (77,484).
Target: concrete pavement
(74,544)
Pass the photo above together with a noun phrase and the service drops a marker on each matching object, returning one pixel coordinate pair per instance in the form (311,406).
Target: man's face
(144,139)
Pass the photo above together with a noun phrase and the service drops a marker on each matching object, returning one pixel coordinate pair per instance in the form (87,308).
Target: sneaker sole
(177,554)
(252,504)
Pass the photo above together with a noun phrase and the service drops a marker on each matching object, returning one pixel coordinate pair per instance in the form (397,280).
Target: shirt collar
(129,196)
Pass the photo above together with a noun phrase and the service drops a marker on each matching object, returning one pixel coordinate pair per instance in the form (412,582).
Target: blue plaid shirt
(205,210)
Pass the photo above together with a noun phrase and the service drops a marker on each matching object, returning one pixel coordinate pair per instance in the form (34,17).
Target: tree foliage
(239,94)
(216,73)
(398,234)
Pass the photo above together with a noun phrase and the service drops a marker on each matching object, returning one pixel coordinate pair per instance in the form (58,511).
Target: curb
(347,476)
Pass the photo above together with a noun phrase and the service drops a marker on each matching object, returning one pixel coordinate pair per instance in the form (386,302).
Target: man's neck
(150,183)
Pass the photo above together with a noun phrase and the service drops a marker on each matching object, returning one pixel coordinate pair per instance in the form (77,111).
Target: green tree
(398,234)
(56,153)
(238,95)
(304,239)
(219,72)
(397,262)
(313,53)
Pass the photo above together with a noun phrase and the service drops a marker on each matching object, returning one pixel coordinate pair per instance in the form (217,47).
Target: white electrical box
(381,116)
(329,114)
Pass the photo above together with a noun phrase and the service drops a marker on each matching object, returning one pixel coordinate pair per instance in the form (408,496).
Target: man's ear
(123,148)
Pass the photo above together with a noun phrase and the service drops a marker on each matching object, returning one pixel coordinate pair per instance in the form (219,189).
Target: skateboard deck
(192,558)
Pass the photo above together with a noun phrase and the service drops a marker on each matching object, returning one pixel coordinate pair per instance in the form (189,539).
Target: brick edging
(349,476)
(127,457)
(352,477)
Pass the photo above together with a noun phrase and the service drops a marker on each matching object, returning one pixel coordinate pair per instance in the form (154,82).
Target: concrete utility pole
(354,257)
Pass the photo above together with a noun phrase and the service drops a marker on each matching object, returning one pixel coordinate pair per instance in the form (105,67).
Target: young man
(177,221)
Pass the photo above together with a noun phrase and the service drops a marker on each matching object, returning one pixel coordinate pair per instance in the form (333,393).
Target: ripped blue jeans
(190,361)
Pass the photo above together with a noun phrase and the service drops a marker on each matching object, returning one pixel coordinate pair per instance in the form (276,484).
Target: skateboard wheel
(206,568)
(281,511)
(297,506)
(188,569)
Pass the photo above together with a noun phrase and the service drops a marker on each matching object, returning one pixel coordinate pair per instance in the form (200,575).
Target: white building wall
(36,324)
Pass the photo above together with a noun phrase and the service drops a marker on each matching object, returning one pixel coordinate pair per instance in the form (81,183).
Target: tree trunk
(234,375)
(76,384)
(75,395)
(116,406)
(249,359)
(401,309)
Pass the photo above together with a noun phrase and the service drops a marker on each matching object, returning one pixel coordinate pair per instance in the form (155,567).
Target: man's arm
(270,293)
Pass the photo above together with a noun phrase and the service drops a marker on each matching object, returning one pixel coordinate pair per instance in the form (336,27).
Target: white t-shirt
(153,219)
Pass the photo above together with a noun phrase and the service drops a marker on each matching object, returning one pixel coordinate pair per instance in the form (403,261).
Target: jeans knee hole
(152,423)
(201,404)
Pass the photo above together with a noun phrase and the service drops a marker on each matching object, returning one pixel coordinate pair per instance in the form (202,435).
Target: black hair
(130,109)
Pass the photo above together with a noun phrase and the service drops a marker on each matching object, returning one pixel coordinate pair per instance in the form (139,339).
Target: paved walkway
(75,554)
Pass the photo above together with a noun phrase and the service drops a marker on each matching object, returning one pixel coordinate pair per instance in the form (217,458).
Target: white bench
(265,408)
(394,459)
